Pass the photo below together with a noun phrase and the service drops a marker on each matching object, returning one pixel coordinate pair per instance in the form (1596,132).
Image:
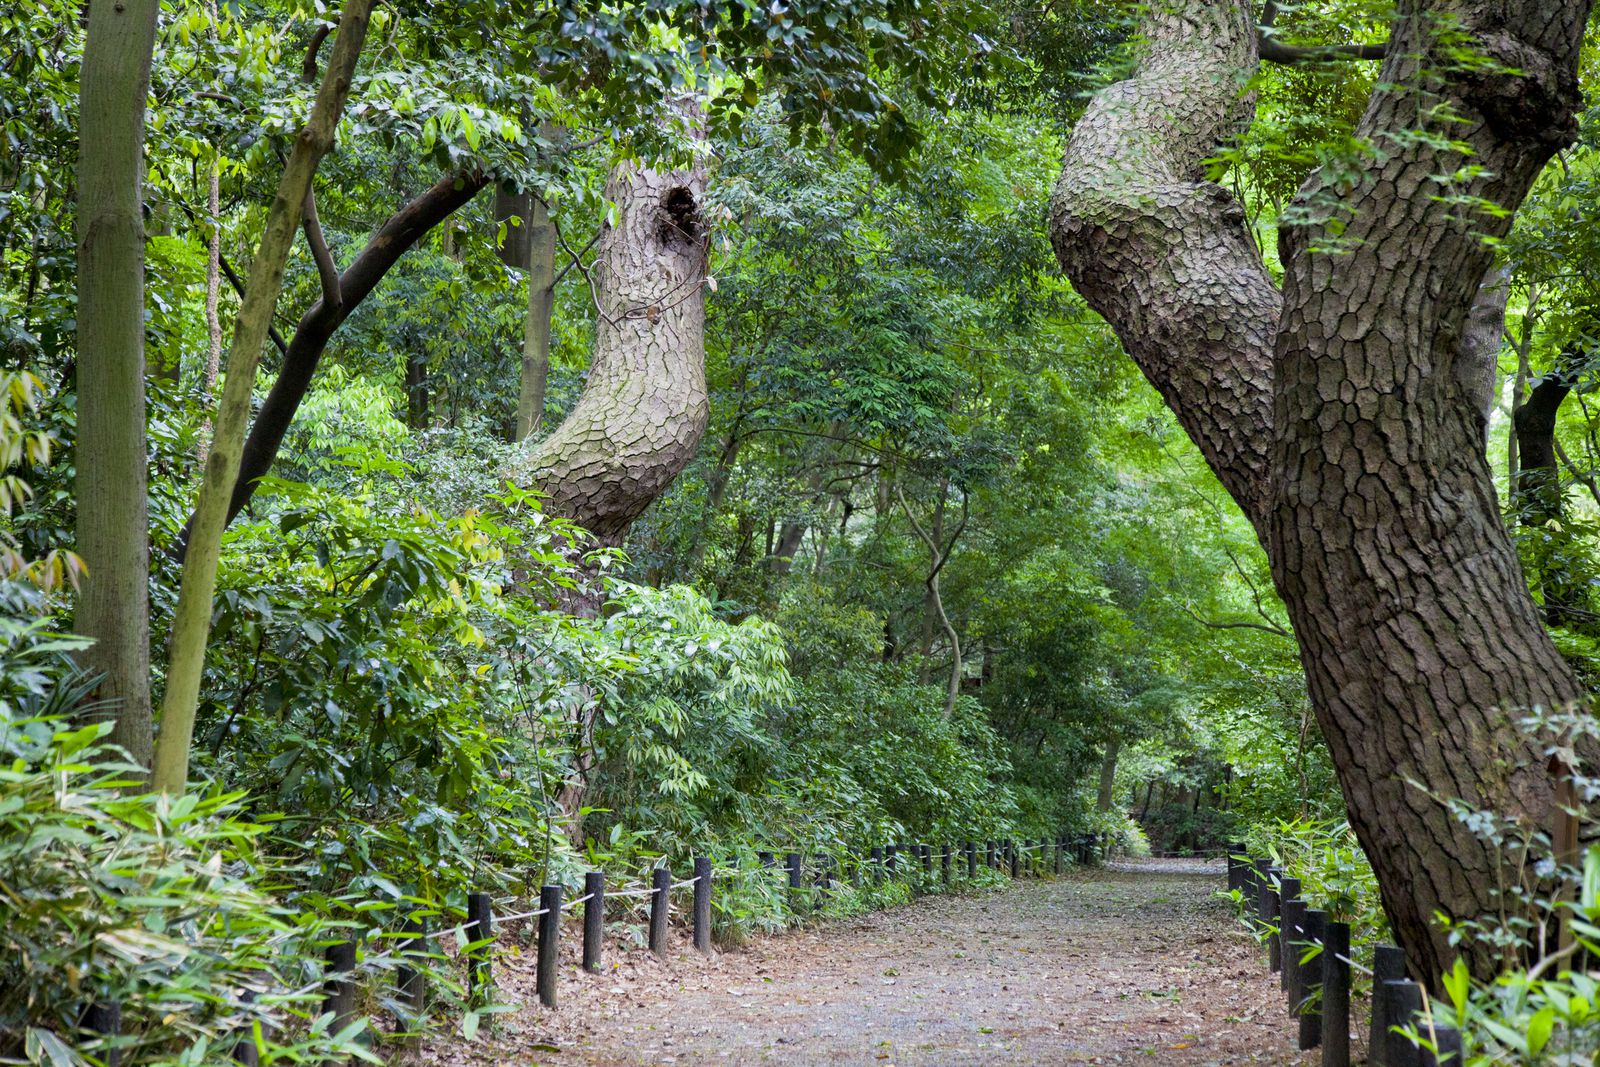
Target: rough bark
(112,538)
(1337,415)
(644,407)
(191,625)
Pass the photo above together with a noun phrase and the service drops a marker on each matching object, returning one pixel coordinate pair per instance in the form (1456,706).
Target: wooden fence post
(104,1017)
(1315,923)
(1402,1004)
(1275,918)
(1336,995)
(989,847)
(244,1050)
(339,989)
(1446,1051)
(661,887)
(876,859)
(1388,965)
(412,985)
(480,932)
(702,904)
(549,944)
(796,882)
(594,920)
(1288,890)
(944,865)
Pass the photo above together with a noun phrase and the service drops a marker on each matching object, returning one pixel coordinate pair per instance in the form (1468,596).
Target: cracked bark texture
(1341,415)
(644,406)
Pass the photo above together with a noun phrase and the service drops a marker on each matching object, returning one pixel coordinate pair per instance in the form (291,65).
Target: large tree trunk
(541,308)
(1337,413)
(644,407)
(1538,494)
(112,533)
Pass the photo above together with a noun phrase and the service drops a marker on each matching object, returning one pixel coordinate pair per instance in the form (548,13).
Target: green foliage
(143,901)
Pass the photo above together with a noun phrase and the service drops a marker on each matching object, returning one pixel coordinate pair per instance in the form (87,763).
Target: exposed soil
(1134,964)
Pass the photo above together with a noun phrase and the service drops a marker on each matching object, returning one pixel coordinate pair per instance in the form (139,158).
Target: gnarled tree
(1339,412)
(644,407)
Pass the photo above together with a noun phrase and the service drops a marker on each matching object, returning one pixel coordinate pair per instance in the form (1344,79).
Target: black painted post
(702,904)
(990,855)
(105,1018)
(1059,849)
(1446,1051)
(480,931)
(1315,923)
(1263,882)
(594,920)
(765,859)
(1294,918)
(413,987)
(244,1051)
(1336,995)
(1388,965)
(824,879)
(661,889)
(889,854)
(1288,889)
(1011,856)
(549,944)
(1275,917)
(796,900)
(1402,1004)
(972,860)
(1027,856)
(339,990)
(944,864)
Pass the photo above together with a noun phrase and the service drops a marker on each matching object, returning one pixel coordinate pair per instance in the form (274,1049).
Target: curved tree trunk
(644,407)
(1337,413)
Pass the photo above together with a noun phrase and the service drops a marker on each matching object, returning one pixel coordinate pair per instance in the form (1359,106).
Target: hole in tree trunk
(680,217)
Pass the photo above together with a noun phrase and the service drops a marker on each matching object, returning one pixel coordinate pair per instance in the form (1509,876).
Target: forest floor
(1135,963)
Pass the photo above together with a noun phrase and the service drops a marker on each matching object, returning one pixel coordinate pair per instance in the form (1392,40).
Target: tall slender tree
(191,626)
(112,533)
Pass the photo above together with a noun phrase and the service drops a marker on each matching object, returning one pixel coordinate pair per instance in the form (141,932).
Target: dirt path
(1138,964)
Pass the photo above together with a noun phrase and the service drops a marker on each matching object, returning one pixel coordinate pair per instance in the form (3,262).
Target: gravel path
(1137,963)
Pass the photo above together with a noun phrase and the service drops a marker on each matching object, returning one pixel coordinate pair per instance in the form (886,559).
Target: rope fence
(1310,953)
(880,865)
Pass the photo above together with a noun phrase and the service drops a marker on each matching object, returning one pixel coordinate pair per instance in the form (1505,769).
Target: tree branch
(1264,627)
(394,238)
(327,272)
(1275,51)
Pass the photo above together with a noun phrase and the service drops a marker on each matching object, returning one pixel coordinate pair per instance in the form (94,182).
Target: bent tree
(644,407)
(1339,412)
